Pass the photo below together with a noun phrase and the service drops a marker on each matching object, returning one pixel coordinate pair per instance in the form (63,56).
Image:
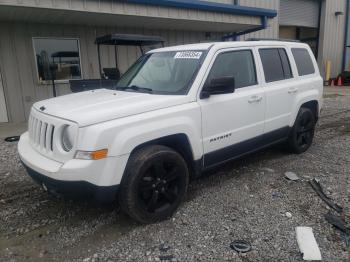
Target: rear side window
(303,60)
(285,64)
(276,64)
(239,64)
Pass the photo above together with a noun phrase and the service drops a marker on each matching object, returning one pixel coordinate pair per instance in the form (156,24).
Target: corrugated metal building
(31,30)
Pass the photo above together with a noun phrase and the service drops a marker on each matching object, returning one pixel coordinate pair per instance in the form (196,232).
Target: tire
(302,134)
(154,184)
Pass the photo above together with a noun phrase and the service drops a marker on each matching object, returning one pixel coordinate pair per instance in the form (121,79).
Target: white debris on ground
(288,214)
(307,244)
(291,176)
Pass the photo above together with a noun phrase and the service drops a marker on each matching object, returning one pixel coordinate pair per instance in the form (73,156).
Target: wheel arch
(181,144)
(300,138)
(313,106)
(311,103)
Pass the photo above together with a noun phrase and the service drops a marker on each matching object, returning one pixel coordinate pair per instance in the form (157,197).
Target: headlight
(67,138)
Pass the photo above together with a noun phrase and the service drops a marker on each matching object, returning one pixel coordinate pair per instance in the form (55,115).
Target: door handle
(293,90)
(255,99)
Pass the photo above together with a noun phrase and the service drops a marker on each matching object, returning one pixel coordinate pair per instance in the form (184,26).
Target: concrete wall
(331,46)
(17,60)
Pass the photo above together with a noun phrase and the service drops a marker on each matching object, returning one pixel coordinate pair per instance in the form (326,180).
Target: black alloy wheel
(154,184)
(159,186)
(305,130)
(302,134)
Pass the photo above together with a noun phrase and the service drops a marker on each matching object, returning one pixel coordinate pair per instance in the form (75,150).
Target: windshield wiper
(136,88)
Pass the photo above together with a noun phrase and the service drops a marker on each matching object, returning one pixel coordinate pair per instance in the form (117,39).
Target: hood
(92,107)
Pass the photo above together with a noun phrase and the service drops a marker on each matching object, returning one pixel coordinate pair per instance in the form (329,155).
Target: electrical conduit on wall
(346,57)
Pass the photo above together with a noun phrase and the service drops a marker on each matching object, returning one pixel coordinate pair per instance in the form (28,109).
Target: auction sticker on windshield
(188,55)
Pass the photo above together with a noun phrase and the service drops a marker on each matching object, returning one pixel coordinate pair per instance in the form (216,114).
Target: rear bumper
(79,190)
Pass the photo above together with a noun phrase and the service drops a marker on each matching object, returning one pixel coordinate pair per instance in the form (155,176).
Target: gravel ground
(246,199)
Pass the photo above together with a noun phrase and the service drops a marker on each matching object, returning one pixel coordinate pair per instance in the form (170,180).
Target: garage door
(303,13)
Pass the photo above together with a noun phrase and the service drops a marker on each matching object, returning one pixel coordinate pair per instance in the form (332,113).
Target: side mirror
(221,85)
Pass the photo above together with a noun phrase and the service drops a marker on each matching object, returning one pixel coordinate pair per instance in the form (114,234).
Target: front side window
(57,58)
(303,60)
(237,64)
(276,64)
(163,72)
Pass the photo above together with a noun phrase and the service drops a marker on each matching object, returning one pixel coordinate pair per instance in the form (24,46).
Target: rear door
(280,89)
(231,122)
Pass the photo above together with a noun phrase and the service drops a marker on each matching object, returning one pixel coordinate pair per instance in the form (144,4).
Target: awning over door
(302,13)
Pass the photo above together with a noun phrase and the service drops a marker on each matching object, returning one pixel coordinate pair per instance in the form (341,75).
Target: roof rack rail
(273,39)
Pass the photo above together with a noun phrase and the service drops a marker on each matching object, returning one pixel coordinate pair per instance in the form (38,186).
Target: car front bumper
(75,179)
(78,190)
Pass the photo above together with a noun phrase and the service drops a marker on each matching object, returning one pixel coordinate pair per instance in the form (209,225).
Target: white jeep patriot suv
(176,112)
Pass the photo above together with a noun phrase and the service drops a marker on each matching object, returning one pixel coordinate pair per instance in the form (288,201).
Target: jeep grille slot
(51,136)
(41,133)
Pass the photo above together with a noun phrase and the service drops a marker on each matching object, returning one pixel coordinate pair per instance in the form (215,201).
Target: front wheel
(302,133)
(154,184)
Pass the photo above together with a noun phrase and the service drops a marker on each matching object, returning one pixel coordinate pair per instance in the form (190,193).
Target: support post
(116,56)
(99,60)
(141,49)
(53,77)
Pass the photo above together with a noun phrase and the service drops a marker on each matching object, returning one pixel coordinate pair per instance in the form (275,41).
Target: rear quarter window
(275,64)
(303,61)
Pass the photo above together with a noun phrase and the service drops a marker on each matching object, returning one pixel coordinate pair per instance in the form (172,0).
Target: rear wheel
(154,184)
(302,134)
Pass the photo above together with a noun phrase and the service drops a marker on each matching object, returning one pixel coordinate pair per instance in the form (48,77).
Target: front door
(3,110)
(232,123)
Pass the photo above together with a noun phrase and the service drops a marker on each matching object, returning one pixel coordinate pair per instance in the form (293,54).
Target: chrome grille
(41,133)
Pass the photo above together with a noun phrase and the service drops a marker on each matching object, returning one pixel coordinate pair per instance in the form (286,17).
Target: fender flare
(306,98)
(131,138)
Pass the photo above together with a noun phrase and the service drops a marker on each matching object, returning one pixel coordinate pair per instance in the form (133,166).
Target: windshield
(163,72)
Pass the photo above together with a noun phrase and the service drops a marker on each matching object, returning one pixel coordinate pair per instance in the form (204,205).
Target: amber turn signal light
(94,155)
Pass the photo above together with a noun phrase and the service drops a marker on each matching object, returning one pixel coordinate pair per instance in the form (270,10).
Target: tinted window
(276,64)
(285,64)
(62,55)
(303,60)
(239,64)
